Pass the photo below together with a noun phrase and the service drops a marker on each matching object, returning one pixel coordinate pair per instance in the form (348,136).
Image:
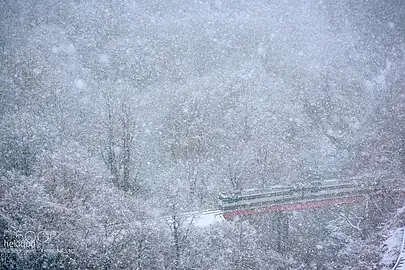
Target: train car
(366,183)
(257,198)
(241,199)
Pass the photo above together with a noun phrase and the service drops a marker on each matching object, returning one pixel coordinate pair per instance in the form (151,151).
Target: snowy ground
(208,219)
(391,249)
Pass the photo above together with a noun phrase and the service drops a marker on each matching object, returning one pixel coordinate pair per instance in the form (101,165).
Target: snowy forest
(118,117)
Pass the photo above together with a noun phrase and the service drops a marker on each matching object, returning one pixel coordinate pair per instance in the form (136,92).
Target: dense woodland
(114,113)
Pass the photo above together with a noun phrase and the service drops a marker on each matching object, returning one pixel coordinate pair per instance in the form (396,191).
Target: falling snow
(202,134)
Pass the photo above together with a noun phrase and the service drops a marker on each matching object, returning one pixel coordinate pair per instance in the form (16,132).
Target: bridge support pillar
(377,205)
(282,229)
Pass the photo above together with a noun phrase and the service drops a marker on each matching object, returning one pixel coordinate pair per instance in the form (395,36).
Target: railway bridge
(280,200)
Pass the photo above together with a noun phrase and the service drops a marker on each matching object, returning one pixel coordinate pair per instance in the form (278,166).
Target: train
(283,194)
